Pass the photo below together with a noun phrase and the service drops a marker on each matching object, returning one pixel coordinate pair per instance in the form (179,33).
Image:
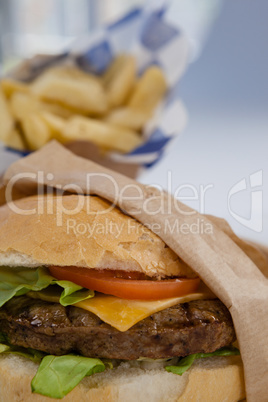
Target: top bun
(82,231)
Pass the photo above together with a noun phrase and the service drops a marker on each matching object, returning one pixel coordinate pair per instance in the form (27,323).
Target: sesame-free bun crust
(216,379)
(90,235)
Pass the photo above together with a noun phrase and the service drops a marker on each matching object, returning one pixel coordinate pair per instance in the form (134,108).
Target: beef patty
(194,327)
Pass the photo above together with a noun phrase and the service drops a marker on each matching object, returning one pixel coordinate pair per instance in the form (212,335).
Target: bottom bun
(216,379)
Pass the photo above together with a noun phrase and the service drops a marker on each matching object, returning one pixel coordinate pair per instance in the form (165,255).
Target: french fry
(103,134)
(75,73)
(9,86)
(149,90)
(127,117)
(58,102)
(22,104)
(72,88)
(57,109)
(6,120)
(15,141)
(119,79)
(36,130)
(55,123)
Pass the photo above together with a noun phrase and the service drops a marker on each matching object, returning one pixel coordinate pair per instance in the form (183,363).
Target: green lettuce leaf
(186,362)
(19,281)
(58,375)
(73,293)
(29,353)
(3,348)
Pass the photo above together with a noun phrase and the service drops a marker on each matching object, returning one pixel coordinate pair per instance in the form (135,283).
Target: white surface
(219,151)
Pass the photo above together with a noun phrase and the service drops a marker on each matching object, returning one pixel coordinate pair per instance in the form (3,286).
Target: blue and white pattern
(148,34)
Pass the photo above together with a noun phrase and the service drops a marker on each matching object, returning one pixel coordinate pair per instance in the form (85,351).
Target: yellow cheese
(123,314)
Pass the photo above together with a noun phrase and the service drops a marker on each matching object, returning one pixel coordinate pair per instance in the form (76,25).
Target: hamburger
(95,306)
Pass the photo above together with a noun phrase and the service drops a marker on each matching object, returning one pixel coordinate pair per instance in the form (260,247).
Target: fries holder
(153,38)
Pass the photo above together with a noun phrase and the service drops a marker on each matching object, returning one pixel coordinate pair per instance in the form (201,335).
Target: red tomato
(111,282)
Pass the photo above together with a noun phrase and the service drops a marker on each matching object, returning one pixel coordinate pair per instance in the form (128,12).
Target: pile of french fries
(68,104)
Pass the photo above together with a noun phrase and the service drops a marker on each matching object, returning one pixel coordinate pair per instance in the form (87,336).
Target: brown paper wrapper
(234,270)
(88,150)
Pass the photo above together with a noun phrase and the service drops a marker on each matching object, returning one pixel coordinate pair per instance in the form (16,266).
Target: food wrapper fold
(234,270)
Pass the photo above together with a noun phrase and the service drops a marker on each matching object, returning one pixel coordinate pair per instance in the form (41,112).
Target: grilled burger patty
(194,327)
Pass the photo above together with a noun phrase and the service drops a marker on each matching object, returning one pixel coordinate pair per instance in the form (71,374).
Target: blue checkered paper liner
(146,33)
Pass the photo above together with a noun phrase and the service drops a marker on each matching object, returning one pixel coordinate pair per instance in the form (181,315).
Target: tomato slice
(106,281)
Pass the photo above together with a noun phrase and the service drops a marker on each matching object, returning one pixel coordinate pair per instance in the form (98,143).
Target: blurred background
(219,165)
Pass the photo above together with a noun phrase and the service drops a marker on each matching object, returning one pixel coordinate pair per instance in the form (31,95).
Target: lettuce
(19,281)
(73,293)
(186,362)
(3,348)
(58,375)
(29,353)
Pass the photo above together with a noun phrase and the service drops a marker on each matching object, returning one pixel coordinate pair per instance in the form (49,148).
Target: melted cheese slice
(123,314)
